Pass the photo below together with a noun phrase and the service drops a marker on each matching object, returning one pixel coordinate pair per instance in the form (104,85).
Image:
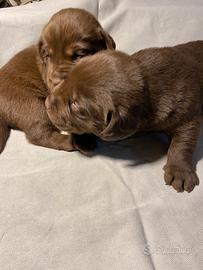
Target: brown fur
(154,89)
(69,35)
(25,81)
(22,95)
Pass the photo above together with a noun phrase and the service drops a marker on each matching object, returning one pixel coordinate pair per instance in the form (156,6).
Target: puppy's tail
(4,135)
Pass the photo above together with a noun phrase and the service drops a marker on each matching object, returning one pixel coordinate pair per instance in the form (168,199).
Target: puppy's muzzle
(57,77)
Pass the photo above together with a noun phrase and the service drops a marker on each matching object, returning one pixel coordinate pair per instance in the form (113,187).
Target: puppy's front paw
(180,178)
(85,143)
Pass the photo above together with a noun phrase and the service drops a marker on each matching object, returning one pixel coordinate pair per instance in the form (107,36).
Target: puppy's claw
(181,179)
(168,179)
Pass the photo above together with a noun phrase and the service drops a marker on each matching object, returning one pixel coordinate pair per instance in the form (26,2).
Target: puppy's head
(69,35)
(103,96)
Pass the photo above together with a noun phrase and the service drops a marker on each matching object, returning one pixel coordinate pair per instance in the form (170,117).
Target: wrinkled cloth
(14,3)
(64,211)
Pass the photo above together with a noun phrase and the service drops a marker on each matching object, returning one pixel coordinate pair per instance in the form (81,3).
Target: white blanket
(64,211)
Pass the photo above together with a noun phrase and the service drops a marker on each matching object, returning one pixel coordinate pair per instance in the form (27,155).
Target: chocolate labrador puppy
(28,78)
(114,95)
(69,35)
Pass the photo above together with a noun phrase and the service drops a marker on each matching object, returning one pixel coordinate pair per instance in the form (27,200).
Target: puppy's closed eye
(79,54)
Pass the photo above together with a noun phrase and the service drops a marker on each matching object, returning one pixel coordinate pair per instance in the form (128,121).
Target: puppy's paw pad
(181,179)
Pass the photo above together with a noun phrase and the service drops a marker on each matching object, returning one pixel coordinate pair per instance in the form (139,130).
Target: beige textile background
(64,211)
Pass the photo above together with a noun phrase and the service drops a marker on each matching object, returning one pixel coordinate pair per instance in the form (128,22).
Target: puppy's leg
(179,171)
(4,134)
(51,138)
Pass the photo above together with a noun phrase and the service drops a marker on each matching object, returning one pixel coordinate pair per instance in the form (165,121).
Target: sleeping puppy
(69,35)
(114,95)
(28,78)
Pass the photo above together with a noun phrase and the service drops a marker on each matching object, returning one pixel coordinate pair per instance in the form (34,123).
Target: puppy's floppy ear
(109,42)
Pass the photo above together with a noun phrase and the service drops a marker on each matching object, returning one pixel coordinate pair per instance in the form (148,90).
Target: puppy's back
(181,58)
(22,70)
(194,49)
(20,84)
